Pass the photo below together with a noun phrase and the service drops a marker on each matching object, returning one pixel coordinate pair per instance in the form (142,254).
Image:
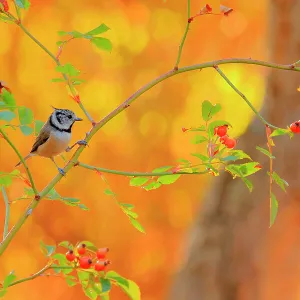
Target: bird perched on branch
(55,136)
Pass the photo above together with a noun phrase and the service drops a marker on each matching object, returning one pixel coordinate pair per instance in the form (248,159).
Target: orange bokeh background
(145,37)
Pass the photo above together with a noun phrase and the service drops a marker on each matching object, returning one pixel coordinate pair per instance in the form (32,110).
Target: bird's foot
(82,143)
(61,171)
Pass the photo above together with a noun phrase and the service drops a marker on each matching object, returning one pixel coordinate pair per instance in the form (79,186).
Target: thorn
(37,197)
(190,20)
(176,68)
(76,164)
(126,105)
(216,67)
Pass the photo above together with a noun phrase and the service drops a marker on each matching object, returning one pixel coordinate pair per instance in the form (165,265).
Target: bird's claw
(61,171)
(82,143)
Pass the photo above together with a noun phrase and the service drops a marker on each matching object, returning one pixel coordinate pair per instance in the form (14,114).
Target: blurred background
(170,260)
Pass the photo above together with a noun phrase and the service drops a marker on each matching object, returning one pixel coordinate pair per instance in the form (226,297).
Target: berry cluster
(221,131)
(84,261)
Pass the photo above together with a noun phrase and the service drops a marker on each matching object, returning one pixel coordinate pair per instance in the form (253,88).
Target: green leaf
(77,81)
(2,291)
(7,115)
(248,183)
(25,4)
(209,110)
(83,276)
(90,293)
(162,169)
(9,279)
(8,99)
(281,131)
(281,182)
(243,170)
(47,249)
(265,152)
(137,225)
(56,268)
(128,286)
(215,124)
(71,280)
(168,179)
(198,139)
(108,192)
(102,43)
(201,156)
(26,130)
(98,30)
(58,80)
(138,181)
(229,158)
(68,69)
(83,207)
(6,180)
(106,285)
(152,186)
(97,287)
(25,115)
(38,126)
(239,154)
(66,244)
(59,43)
(127,205)
(274,209)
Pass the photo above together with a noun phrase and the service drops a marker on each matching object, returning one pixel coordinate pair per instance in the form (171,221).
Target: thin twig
(22,160)
(71,87)
(7,212)
(244,97)
(188,21)
(137,174)
(39,273)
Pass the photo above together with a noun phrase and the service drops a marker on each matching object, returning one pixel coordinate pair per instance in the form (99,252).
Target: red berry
(224,138)
(295,127)
(221,130)
(81,249)
(230,143)
(85,262)
(101,265)
(5,5)
(70,255)
(101,253)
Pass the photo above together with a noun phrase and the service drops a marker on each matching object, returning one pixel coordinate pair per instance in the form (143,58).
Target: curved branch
(74,160)
(146,174)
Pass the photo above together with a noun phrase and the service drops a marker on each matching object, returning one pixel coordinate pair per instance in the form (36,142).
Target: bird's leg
(81,143)
(60,170)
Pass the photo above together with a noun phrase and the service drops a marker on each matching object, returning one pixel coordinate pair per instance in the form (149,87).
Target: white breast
(56,144)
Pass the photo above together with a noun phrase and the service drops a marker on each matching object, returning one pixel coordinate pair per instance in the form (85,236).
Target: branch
(184,35)
(74,160)
(136,174)
(244,97)
(22,160)
(7,212)
(71,87)
(39,273)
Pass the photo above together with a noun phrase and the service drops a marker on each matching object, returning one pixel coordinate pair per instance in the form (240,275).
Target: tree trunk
(232,253)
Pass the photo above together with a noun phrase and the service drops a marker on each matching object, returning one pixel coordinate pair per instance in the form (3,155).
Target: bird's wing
(42,137)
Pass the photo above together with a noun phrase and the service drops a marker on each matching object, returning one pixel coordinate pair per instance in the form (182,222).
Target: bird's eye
(69,116)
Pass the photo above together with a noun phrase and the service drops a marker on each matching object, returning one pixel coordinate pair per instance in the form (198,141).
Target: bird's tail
(25,158)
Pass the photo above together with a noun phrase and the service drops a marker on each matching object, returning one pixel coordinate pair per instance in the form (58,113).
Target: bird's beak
(78,119)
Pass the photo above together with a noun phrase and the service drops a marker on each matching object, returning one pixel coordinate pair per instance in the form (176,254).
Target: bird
(55,136)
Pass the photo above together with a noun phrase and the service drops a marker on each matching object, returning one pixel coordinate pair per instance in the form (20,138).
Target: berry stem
(7,212)
(189,20)
(244,97)
(136,174)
